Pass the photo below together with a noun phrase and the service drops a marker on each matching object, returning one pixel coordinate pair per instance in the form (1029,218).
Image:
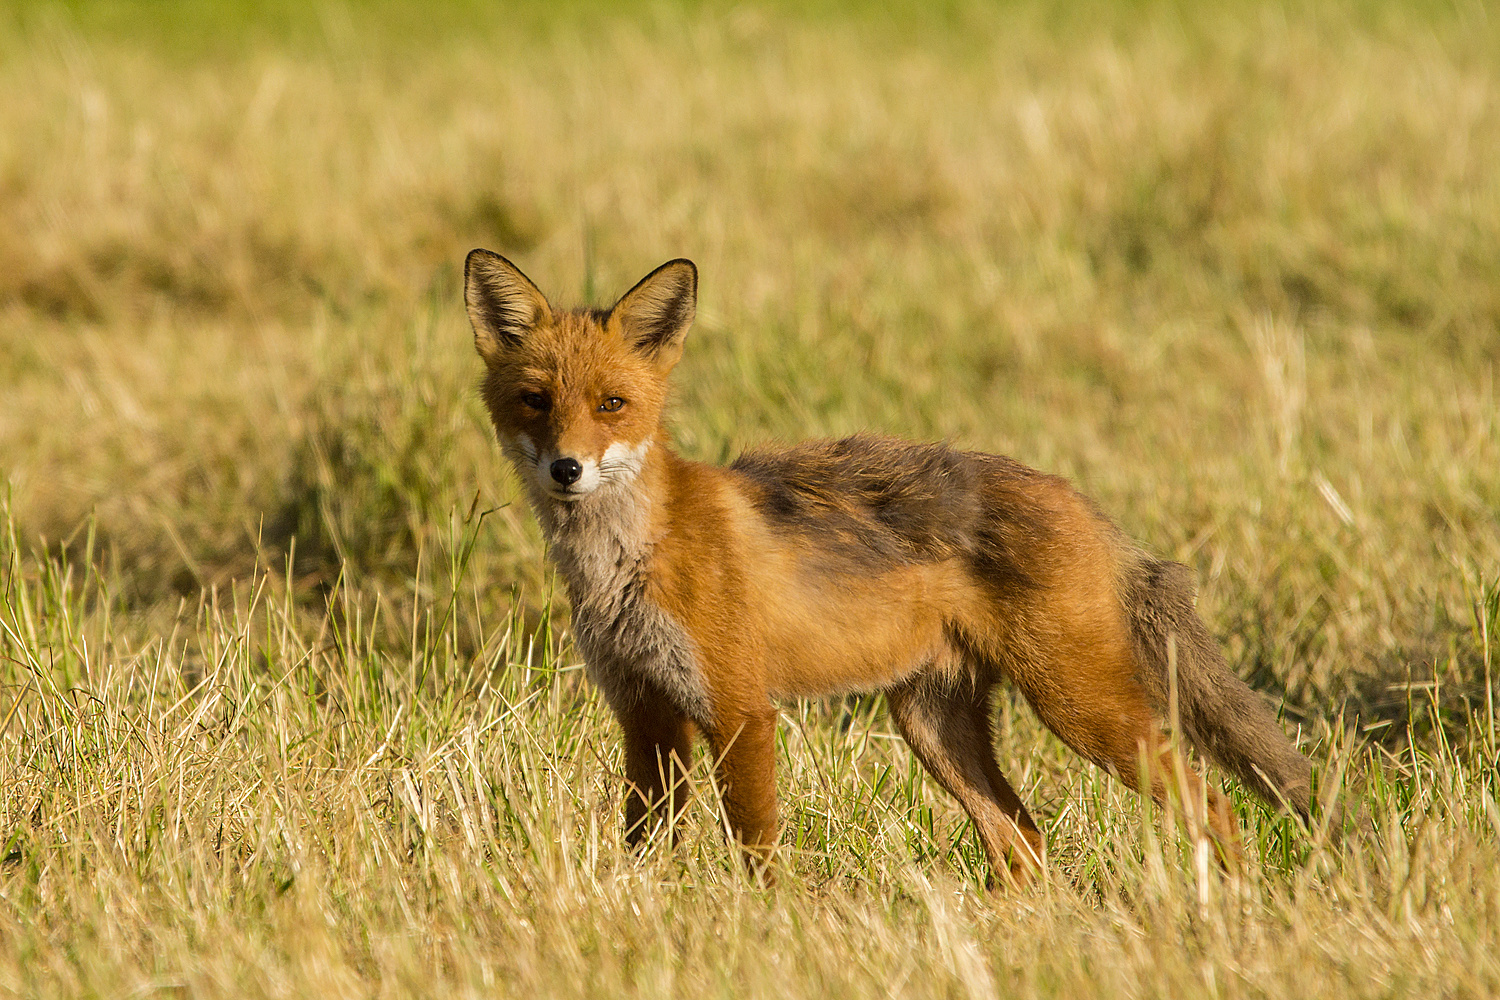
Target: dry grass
(286,716)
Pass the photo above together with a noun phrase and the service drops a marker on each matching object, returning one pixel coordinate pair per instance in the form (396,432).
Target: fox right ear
(504,306)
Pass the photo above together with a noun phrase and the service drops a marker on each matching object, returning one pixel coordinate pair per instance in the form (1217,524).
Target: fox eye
(535,401)
(611,404)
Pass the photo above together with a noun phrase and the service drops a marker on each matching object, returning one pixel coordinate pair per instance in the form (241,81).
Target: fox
(702,595)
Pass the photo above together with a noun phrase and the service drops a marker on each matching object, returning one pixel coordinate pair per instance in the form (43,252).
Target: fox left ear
(655,315)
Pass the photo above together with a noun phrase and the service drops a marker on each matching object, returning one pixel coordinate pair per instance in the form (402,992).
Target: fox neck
(603,546)
(601,542)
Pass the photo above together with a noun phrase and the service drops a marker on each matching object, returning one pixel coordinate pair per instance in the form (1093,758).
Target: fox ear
(656,313)
(503,304)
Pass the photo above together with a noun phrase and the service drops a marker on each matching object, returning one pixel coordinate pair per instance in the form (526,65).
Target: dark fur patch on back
(880,503)
(1015,536)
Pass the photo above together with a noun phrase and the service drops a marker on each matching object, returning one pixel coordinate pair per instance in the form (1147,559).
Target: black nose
(566,471)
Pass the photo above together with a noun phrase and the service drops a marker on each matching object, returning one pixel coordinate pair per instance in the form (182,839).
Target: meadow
(288,702)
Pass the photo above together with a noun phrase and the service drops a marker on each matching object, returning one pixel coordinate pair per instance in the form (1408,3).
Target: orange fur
(701,594)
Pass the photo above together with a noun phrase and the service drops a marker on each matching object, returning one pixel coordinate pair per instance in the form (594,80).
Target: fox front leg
(658,753)
(744,745)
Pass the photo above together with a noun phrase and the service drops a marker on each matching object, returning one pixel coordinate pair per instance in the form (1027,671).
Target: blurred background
(1236,272)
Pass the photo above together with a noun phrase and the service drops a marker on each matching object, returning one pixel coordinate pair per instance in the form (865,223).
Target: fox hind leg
(947,725)
(1204,809)
(1116,727)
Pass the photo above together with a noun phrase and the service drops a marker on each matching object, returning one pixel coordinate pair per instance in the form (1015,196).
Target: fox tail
(1220,715)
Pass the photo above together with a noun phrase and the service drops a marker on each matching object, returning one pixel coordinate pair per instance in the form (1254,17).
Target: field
(288,703)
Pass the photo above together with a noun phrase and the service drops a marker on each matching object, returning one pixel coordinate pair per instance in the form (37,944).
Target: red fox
(700,593)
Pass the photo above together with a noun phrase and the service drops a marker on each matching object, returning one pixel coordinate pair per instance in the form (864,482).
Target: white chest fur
(632,647)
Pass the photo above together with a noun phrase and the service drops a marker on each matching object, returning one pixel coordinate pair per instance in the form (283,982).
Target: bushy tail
(1219,713)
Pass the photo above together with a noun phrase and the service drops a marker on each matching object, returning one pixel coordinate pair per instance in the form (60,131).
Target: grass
(287,705)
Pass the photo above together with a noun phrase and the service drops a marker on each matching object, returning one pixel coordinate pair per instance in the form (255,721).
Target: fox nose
(566,471)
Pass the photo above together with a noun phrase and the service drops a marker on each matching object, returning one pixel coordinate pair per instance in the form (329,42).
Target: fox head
(577,395)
